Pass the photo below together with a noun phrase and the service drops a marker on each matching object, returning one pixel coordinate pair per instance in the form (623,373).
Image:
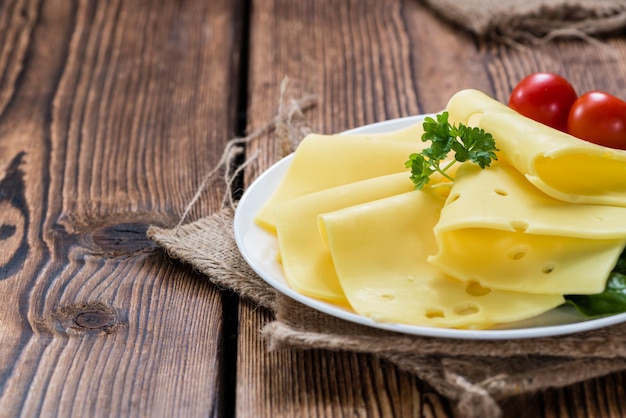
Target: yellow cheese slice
(306,261)
(467,106)
(380,252)
(499,230)
(559,164)
(500,197)
(325,161)
(411,133)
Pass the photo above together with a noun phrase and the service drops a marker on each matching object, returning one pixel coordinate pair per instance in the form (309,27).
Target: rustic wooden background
(111,112)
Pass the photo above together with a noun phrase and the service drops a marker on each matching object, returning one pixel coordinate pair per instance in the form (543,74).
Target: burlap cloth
(534,20)
(474,374)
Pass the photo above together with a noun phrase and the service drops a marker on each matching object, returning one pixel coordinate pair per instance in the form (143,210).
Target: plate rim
(416,330)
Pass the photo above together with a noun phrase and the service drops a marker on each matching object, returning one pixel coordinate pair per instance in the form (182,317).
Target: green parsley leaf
(468,144)
(421,170)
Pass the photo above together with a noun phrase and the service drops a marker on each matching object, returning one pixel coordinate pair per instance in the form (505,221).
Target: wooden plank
(294,383)
(369,61)
(110,114)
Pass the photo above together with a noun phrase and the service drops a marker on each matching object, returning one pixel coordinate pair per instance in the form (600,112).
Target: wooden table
(111,113)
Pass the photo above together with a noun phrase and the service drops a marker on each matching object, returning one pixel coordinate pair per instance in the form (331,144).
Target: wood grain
(294,383)
(110,114)
(368,61)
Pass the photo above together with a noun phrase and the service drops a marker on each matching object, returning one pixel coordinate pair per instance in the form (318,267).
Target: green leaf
(611,301)
(468,144)
(438,133)
(480,146)
(421,170)
(461,154)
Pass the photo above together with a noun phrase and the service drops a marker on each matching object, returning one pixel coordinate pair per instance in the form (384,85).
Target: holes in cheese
(475,289)
(434,313)
(519,226)
(466,309)
(325,161)
(525,208)
(517,253)
(562,166)
(528,242)
(558,265)
(306,261)
(380,250)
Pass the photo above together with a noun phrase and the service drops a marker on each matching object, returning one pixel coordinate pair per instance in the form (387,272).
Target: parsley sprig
(473,144)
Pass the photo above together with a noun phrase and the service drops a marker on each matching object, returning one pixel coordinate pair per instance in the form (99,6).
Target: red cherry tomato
(600,118)
(544,97)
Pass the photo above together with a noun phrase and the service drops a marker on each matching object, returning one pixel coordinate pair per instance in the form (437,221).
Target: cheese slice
(467,106)
(500,231)
(325,161)
(562,166)
(411,133)
(380,249)
(306,261)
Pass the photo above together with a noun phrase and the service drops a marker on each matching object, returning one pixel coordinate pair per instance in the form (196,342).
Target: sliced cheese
(324,161)
(380,251)
(467,106)
(500,231)
(500,197)
(559,164)
(411,133)
(306,261)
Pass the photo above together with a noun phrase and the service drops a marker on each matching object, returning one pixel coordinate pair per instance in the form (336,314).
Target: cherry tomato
(544,97)
(600,118)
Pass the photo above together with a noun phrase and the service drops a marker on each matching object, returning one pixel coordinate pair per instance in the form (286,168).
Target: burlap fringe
(289,126)
(220,259)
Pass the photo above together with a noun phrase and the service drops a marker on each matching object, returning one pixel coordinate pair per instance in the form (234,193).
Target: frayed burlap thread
(534,20)
(474,374)
(208,244)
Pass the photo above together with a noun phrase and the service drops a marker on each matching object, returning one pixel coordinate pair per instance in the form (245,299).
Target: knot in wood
(95,319)
(89,318)
(122,238)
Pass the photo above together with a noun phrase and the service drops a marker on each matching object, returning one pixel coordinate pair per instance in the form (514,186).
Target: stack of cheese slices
(499,244)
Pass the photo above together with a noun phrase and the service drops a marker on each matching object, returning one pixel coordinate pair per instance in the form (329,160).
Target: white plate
(259,249)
